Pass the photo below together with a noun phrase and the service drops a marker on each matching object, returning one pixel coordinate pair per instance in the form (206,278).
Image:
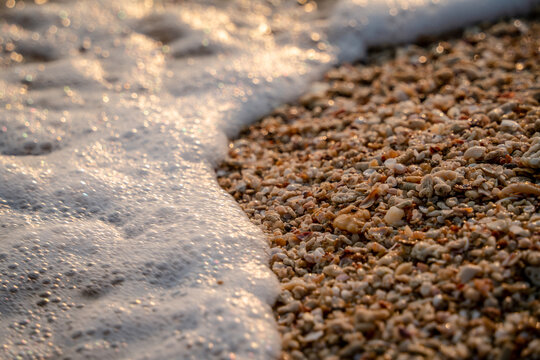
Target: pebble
(509,126)
(474,152)
(349,222)
(518,231)
(404,268)
(444,75)
(313,336)
(393,216)
(467,272)
(520,188)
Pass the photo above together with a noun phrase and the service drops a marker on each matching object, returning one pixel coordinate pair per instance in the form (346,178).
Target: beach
(400,199)
(396,199)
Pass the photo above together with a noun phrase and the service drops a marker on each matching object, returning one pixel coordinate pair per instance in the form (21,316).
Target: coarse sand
(400,198)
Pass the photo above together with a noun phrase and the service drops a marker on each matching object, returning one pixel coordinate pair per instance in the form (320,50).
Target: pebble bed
(400,198)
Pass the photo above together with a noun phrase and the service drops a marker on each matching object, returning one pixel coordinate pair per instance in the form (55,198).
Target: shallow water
(116,240)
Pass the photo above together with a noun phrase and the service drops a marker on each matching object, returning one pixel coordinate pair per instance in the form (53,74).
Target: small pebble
(474,152)
(393,216)
(467,272)
(509,126)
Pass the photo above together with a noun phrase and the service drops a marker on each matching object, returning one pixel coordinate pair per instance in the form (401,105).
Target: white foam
(108,197)
(356,25)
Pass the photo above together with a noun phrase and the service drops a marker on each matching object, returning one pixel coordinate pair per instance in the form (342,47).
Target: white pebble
(437,301)
(467,272)
(393,216)
(509,125)
(474,152)
(390,163)
(519,231)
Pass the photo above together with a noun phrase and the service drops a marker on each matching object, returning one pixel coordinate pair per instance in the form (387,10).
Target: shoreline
(400,200)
